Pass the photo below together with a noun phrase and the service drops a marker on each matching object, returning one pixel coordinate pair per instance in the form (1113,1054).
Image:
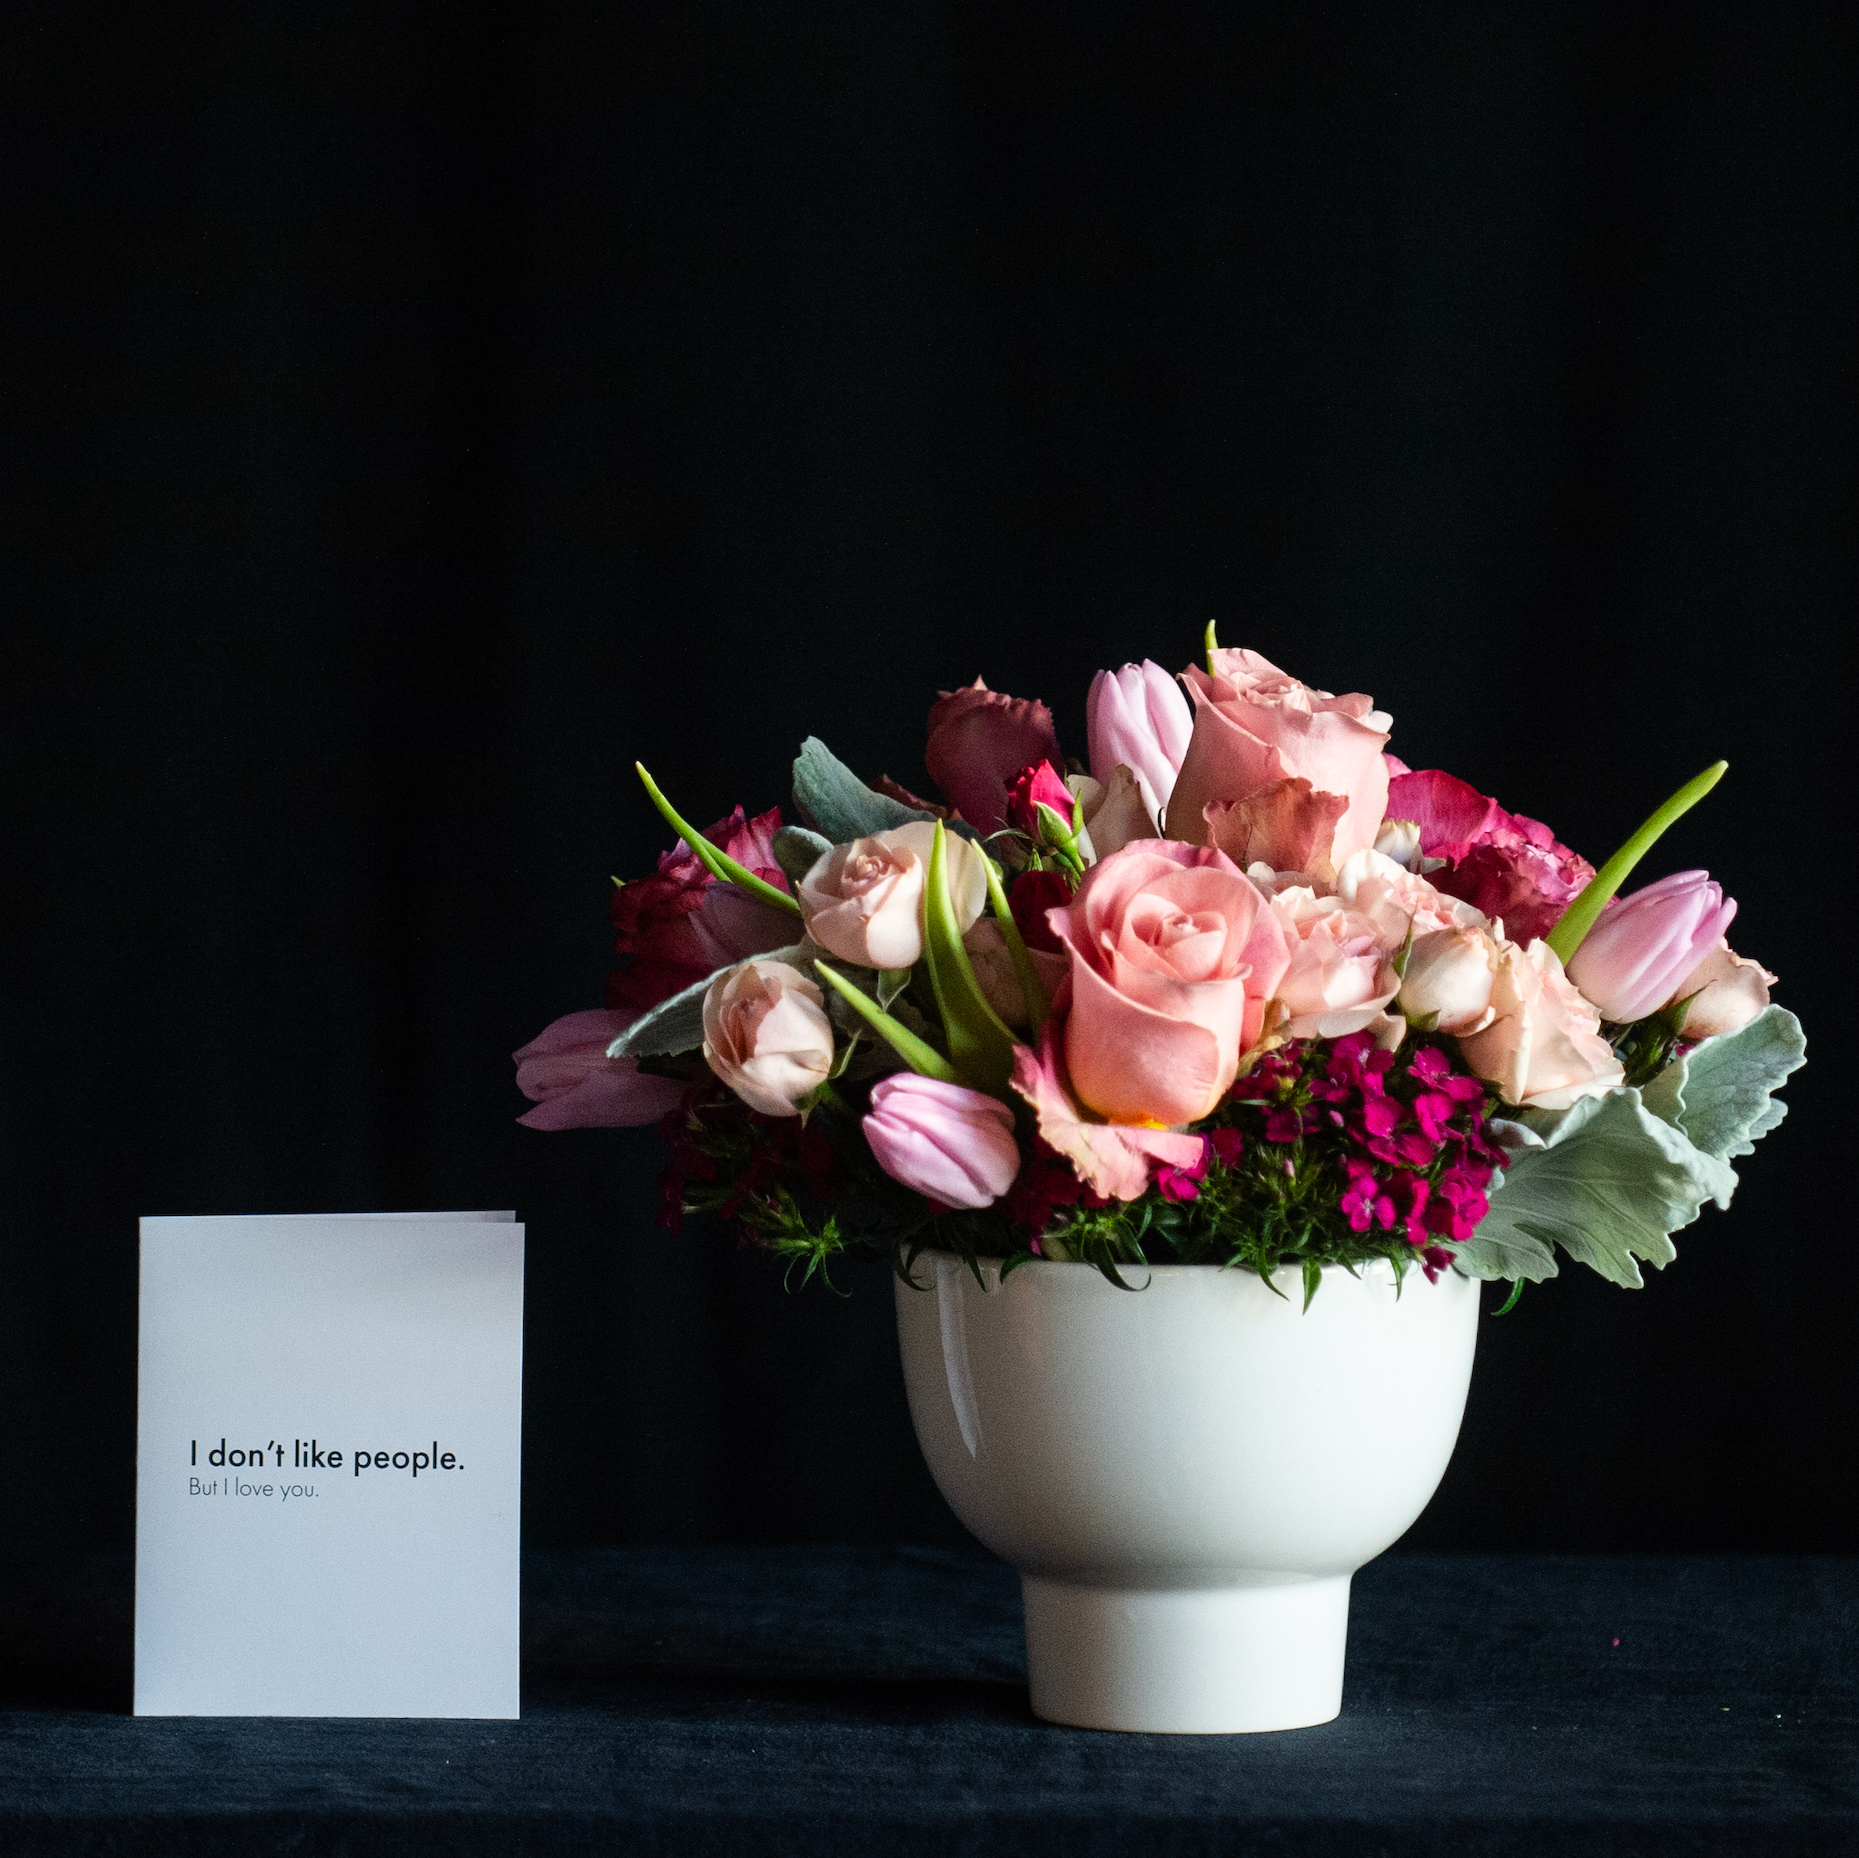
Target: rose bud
(1138,718)
(951,1144)
(864,901)
(1725,992)
(1036,786)
(766,1035)
(1632,960)
(1448,980)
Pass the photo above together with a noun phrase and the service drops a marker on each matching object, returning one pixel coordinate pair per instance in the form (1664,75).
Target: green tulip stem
(718,864)
(1213,645)
(1024,972)
(1581,915)
(921,1056)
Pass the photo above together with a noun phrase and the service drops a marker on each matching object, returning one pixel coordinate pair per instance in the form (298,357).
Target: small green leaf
(1313,1280)
(718,864)
(1510,1302)
(922,1057)
(980,1046)
(1581,915)
(673,1026)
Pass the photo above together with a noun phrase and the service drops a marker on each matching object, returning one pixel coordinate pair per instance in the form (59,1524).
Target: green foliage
(718,863)
(980,1047)
(1720,1093)
(1278,1206)
(838,803)
(1606,1181)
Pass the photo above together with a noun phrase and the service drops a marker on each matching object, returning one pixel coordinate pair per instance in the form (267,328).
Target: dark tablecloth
(856,1700)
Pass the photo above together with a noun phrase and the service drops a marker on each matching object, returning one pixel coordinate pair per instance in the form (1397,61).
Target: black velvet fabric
(859,1700)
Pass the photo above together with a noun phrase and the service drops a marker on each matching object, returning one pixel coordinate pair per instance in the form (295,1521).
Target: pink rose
(566,1073)
(1112,1159)
(1341,974)
(1506,864)
(1449,978)
(864,901)
(1544,1047)
(682,924)
(951,1144)
(1174,953)
(1631,962)
(1254,727)
(766,1035)
(1137,718)
(1726,992)
(978,741)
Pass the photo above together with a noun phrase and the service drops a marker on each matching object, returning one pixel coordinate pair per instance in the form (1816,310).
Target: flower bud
(1040,805)
(1725,992)
(1448,980)
(1632,961)
(766,1035)
(1138,718)
(951,1144)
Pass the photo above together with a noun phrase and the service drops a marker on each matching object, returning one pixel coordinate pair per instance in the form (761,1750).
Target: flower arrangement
(1249,993)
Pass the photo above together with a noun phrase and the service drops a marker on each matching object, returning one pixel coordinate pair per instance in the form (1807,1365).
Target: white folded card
(328,1465)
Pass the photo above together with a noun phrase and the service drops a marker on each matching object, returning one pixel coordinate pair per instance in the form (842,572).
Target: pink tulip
(1137,718)
(951,1144)
(566,1073)
(1634,958)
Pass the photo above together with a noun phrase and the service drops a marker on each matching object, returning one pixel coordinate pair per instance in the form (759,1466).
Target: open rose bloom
(1246,992)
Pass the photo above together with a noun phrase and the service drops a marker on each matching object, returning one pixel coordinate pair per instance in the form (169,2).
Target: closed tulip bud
(1139,719)
(1633,960)
(953,1145)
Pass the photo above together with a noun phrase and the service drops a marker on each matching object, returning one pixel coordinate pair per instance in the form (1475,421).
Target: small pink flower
(766,1035)
(953,1145)
(1726,992)
(1037,785)
(1632,961)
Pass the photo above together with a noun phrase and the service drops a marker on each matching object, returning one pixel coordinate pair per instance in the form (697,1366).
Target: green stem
(1581,915)
(1213,645)
(922,1057)
(718,864)
(1024,972)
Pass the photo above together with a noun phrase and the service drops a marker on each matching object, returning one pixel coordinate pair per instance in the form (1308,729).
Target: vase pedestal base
(1220,1660)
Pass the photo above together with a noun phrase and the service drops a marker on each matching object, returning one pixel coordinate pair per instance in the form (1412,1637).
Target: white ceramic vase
(1185,1475)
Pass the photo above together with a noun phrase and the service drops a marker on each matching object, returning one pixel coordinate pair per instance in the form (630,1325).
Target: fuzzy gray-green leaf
(797,851)
(1610,1182)
(1720,1092)
(838,802)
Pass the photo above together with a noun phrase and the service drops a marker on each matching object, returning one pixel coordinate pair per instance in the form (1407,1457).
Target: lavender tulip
(1633,960)
(1138,718)
(951,1144)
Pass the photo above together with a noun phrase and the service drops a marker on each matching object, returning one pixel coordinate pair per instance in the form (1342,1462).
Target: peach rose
(1726,992)
(766,1035)
(1255,730)
(1342,969)
(1392,898)
(1174,954)
(1449,977)
(864,901)
(1543,1047)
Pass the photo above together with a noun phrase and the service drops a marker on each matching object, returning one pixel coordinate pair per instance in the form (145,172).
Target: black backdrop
(413,416)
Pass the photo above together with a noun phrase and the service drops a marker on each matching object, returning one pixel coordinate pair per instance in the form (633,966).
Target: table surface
(822,1700)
